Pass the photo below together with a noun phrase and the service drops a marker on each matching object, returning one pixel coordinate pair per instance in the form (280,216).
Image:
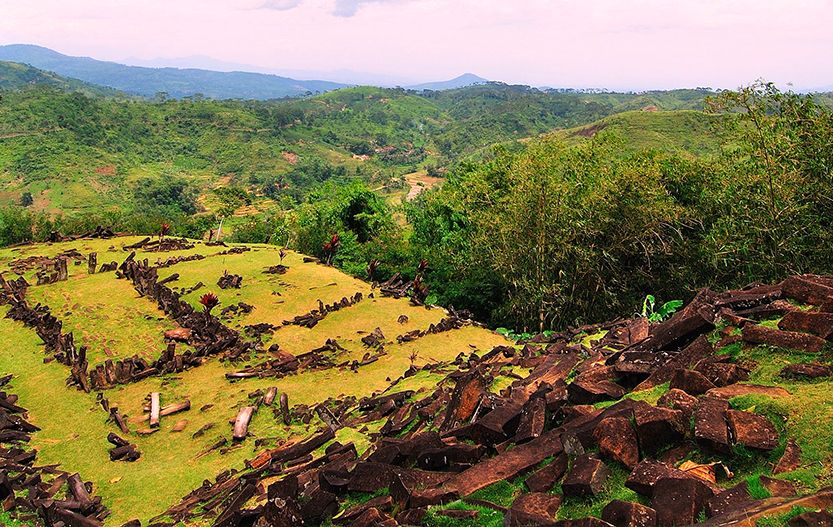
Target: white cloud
(280,5)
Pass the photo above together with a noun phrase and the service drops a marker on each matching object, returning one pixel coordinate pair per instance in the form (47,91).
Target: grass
(106,314)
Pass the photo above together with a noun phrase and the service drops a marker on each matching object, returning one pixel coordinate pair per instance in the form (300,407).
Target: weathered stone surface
(532,421)
(819,324)
(178,334)
(657,427)
(729,500)
(586,478)
(587,391)
(691,382)
(749,516)
(757,334)
(533,509)
(736,390)
(643,479)
(690,355)
(545,478)
(722,373)
(806,290)
(464,399)
(679,501)
(504,466)
(629,514)
(686,325)
(679,400)
(778,487)
(752,430)
(710,428)
(821,518)
(790,460)
(811,370)
(617,440)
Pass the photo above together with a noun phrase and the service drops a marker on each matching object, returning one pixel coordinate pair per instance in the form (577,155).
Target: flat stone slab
(736,390)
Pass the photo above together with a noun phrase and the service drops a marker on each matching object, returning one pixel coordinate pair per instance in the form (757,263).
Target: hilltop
(463,81)
(350,403)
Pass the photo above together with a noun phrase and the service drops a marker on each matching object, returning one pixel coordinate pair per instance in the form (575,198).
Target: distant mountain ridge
(463,81)
(175,82)
(16,76)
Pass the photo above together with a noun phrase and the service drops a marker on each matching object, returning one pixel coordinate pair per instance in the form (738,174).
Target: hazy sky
(633,44)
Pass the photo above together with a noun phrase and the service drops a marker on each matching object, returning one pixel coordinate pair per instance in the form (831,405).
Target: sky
(614,44)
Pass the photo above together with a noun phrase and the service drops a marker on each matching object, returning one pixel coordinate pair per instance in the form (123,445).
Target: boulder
(617,440)
(505,465)
(533,509)
(643,479)
(819,324)
(810,370)
(758,334)
(752,430)
(657,427)
(729,500)
(722,373)
(679,400)
(586,391)
(545,478)
(533,419)
(679,501)
(710,429)
(629,514)
(587,477)
(691,382)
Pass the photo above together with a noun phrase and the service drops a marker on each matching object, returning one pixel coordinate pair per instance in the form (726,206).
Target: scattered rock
(790,460)
(752,430)
(629,514)
(617,440)
(586,478)
(679,501)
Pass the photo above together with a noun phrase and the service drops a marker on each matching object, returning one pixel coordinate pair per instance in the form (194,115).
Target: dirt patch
(590,131)
(290,158)
(419,181)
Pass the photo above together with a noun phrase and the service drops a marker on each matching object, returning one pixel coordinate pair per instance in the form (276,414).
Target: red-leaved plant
(209,301)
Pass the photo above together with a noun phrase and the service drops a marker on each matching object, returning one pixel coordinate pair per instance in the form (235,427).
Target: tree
(26,199)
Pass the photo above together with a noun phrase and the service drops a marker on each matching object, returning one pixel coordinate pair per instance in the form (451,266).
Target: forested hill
(174,82)
(73,152)
(16,76)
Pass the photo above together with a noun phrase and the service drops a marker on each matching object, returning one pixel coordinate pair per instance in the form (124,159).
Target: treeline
(556,234)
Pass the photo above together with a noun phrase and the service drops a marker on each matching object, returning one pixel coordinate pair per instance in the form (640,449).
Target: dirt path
(420,181)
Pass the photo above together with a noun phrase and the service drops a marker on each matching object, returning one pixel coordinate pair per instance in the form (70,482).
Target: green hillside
(676,131)
(17,76)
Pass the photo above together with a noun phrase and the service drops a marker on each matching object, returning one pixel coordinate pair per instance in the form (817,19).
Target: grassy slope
(675,131)
(74,426)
